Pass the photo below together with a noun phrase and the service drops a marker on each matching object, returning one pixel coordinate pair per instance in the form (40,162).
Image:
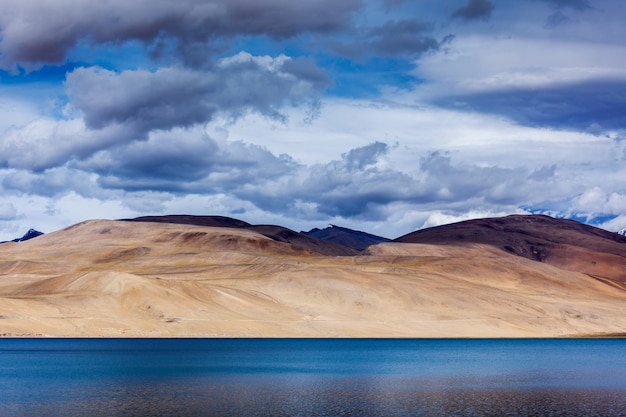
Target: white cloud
(7,211)
(596,202)
(480,64)
(15,112)
(46,143)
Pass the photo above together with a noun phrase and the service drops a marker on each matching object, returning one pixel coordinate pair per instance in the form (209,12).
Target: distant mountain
(564,243)
(347,237)
(516,276)
(210,221)
(28,235)
(276,233)
(622,232)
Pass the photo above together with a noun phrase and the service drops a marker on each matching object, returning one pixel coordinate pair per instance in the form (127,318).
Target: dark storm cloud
(404,37)
(305,68)
(180,161)
(458,183)
(167,98)
(360,158)
(591,105)
(357,186)
(475,9)
(174,97)
(37,32)
(363,190)
(395,38)
(350,187)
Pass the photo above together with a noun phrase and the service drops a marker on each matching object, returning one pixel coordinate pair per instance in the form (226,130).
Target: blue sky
(380,115)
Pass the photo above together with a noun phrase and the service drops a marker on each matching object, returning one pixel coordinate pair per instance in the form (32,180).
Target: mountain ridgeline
(564,243)
(214,276)
(347,237)
(30,234)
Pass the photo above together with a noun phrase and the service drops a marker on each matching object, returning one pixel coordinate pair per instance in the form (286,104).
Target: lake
(312,377)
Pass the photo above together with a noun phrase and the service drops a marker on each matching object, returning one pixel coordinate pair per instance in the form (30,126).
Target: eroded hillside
(146,279)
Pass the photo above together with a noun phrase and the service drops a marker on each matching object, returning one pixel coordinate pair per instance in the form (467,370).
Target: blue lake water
(312,377)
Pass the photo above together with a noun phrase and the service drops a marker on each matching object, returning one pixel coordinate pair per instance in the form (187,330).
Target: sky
(385,116)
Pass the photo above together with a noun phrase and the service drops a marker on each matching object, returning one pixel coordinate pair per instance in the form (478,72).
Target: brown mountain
(277,233)
(163,279)
(566,244)
(212,221)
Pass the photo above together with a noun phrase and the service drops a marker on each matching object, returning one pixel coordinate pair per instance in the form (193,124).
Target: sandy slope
(113,278)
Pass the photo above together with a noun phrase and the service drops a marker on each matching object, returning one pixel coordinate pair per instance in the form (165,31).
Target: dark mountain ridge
(30,234)
(209,221)
(565,243)
(522,235)
(354,239)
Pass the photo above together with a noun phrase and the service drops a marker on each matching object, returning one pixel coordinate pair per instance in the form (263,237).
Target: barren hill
(277,233)
(347,237)
(148,279)
(564,243)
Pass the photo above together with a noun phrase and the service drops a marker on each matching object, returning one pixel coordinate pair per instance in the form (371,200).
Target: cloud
(353,186)
(402,38)
(457,184)
(535,82)
(397,186)
(390,4)
(120,107)
(52,182)
(26,27)
(185,161)
(580,5)
(177,97)
(475,9)
(594,104)
(597,202)
(167,114)
(362,185)
(47,143)
(559,16)
(7,211)
(167,98)
(189,162)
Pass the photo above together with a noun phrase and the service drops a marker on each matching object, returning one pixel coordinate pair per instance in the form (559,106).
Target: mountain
(31,233)
(516,276)
(568,244)
(347,237)
(277,233)
(213,221)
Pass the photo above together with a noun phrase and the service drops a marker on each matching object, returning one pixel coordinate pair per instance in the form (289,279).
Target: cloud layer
(37,32)
(381,115)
